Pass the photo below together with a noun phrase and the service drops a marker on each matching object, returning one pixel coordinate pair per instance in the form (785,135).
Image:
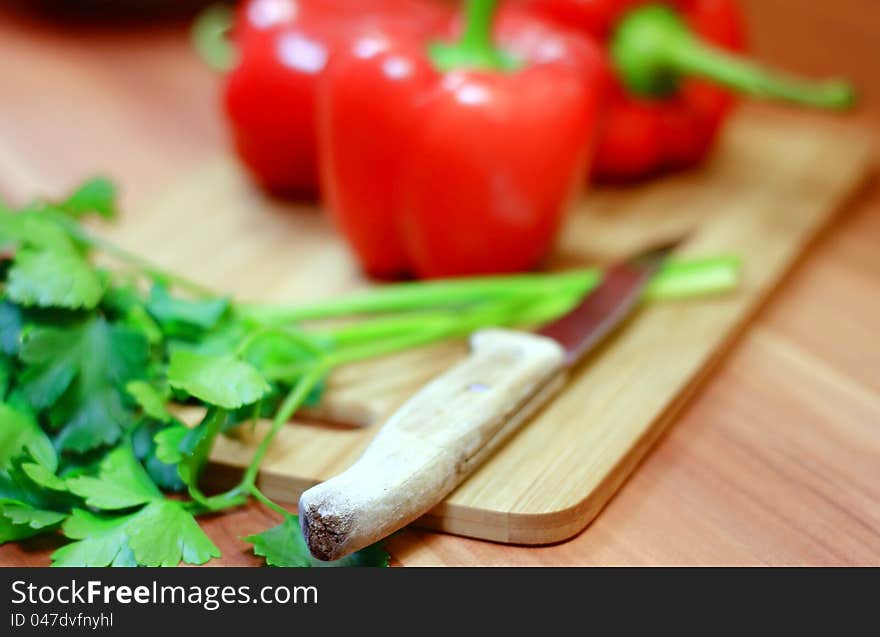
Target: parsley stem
(213,421)
(293,401)
(293,335)
(150,269)
(261,497)
(220,502)
(138,262)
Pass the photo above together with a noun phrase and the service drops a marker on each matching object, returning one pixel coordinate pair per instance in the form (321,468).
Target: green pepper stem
(210,37)
(478,27)
(653,48)
(696,58)
(476,48)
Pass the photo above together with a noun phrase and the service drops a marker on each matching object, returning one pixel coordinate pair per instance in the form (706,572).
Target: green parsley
(223,381)
(78,373)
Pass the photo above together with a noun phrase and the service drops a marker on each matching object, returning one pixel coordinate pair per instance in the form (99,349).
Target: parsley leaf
(102,541)
(184,318)
(89,420)
(20,433)
(163,474)
(27,508)
(160,534)
(6,375)
(164,534)
(125,306)
(223,381)
(17,485)
(170,441)
(284,546)
(53,357)
(10,328)
(150,399)
(189,448)
(36,229)
(80,371)
(40,475)
(285,347)
(19,514)
(53,278)
(96,196)
(222,340)
(19,520)
(121,483)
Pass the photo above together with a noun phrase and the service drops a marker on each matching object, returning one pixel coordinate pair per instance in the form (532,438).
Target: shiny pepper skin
(436,174)
(645,135)
(283,48)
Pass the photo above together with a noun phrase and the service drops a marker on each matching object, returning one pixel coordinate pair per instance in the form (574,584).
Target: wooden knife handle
(433,442)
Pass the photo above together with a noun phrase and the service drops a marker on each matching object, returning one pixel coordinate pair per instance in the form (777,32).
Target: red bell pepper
(449,159)
(282,50)
(675,61)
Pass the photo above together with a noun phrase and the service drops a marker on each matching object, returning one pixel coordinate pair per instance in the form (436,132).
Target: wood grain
(774,462)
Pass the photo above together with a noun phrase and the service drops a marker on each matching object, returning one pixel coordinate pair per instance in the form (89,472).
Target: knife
(441,434)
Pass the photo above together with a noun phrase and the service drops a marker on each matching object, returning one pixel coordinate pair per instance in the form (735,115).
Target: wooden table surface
(777,461)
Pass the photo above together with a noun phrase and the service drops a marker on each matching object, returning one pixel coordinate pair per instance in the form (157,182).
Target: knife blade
(446,430)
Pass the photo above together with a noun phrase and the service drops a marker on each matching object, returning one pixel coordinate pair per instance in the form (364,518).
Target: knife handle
(437,438)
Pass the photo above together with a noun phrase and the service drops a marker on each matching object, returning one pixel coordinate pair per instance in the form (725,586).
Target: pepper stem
(210,37)
(476,49)
(653,48)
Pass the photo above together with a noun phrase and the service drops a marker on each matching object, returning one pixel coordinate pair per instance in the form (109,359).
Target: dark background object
(110,10)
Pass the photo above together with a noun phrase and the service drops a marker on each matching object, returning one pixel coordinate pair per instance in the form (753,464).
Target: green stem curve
(210,37)
(653,48)
(476,49)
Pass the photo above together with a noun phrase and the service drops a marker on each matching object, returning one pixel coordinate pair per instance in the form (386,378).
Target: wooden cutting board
(771,187)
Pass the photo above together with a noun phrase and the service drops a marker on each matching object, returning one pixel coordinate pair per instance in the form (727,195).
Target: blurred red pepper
(452,159)
(282,48)
(672,59)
